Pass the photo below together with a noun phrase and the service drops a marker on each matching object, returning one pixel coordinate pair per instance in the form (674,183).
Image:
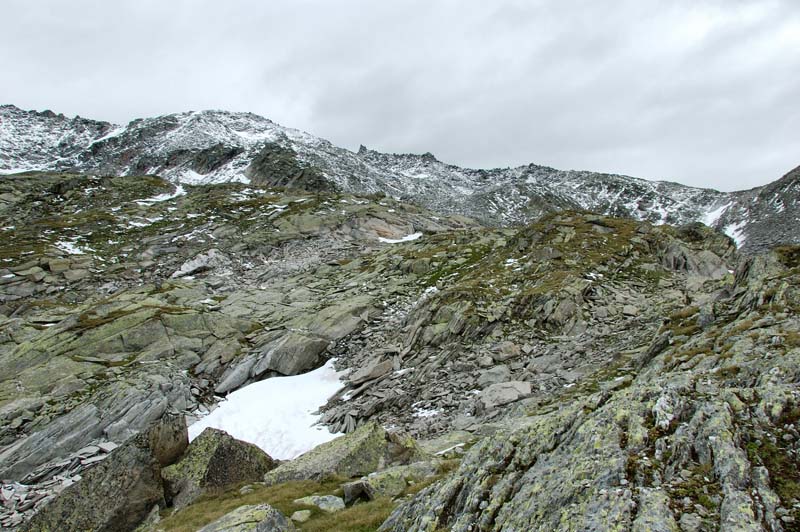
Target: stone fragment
(58,265)
(630,310)
(301,516)
(372,371)
(107,446)
(506,350)
(390,483)
(485,361)
(202,262)
(75,275)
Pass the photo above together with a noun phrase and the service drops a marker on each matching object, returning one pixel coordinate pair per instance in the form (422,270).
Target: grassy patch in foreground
(361,517)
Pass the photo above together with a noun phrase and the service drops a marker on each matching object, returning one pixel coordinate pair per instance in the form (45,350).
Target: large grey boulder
(253,518)
(291,354)
(117,494)
(502,393)
(214,460)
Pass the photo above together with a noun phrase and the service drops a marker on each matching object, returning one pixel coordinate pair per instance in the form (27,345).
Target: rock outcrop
(370,448)
(700,437)
(117,494)
(213,461)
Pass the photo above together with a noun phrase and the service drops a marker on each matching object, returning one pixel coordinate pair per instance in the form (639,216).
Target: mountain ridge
(214,146)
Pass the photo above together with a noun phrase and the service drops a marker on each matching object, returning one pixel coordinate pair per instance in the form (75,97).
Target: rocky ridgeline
(217,147)
(580,372)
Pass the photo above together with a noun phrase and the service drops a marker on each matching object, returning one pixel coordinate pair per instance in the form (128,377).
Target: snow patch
(407,238)
(711,217)
(426,412)
(179,191)
(70,247)
(277,414)
(736,232)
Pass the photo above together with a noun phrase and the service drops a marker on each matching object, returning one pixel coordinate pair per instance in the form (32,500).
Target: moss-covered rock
(253,518)
(214,460)
(370,448)
(118,493)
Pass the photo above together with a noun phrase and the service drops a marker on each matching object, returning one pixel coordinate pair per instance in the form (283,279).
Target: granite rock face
(695,439)
(117,494)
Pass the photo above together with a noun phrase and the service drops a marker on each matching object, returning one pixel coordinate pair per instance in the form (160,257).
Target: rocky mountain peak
(219,146)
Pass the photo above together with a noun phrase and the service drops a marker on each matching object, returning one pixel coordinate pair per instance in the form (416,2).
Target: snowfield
(277,414)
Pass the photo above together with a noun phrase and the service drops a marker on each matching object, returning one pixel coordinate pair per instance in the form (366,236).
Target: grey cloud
(697,91)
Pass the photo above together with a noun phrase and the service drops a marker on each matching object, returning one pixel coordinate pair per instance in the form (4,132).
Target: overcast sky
(703,92)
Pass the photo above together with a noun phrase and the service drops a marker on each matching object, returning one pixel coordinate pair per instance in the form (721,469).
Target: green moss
(701,487)
(783,466)
(788,255)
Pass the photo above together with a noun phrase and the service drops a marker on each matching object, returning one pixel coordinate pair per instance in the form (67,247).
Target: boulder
(372,371)
(119,492)
(503,393)
(390,483)
(494,375)
(369,448)
(301,516)
(291,354)
(235,376)
(214,460)
(327,503)
(75,275)
(202,262)
(58,265)
(630,310)
(506,350)
(253,518)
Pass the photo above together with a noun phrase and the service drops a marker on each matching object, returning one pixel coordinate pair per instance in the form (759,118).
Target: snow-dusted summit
(219,146)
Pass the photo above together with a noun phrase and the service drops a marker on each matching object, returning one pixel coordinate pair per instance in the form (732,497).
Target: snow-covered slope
(219,146)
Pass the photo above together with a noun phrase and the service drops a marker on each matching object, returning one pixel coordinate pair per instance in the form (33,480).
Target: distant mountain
(218,146)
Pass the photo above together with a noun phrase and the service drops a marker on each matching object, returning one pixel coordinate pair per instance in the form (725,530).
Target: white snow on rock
(407,238)
(69,247)
(166,196)
(277,414)
(710,218)
(736,232)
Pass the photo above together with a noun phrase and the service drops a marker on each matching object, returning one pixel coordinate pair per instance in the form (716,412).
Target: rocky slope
(599,373)
(217,146)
